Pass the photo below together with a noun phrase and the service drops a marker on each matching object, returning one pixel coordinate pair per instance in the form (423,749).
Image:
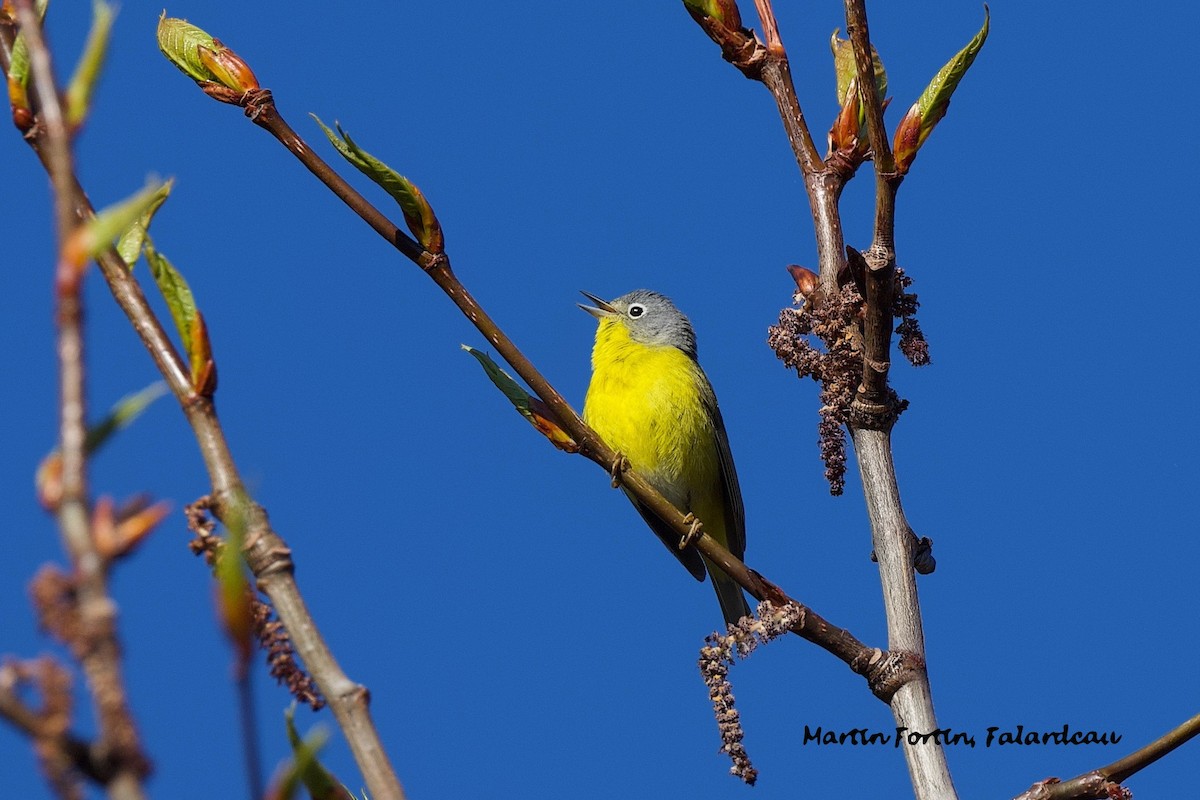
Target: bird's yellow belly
(647,404)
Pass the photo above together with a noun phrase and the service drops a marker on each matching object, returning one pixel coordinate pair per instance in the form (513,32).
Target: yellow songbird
(651,402)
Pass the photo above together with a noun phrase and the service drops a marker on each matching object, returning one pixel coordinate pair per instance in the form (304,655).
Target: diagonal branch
(883,671)
(1105,782)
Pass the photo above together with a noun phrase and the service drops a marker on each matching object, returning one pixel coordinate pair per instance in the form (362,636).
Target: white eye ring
(636,310)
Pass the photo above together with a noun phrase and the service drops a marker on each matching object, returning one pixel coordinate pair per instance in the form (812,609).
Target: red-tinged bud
(204,59)
(48,481)
(543,419)
(132,529)
(19,100)
(844,135)
(723,11)
(231,71)
(200,358)
(104,527)
(907,139)
(806,280)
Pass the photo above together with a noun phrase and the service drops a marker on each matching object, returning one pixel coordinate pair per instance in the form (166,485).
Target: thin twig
(249,725)
(1104,783)
(867,661)
(766,15)
(880,258)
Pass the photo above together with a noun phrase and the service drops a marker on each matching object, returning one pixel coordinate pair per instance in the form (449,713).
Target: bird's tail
(729,594)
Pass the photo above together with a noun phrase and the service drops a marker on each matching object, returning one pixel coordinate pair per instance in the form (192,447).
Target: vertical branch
(873,413)
(886,178)
(97,648)
(823,186)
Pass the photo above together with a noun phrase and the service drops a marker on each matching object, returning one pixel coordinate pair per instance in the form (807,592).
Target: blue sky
(520,630)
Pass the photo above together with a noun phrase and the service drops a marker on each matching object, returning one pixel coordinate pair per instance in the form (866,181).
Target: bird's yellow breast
(649,403)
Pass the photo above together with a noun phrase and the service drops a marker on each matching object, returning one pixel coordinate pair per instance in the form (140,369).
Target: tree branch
(266,553)
(873,413)
(96,646)
(1105,783)
(880,670)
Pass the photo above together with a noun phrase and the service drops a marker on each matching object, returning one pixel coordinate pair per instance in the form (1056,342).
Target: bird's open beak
(600,310)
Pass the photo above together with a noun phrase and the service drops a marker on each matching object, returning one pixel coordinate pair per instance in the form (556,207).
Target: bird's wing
(735,512)
(689,557)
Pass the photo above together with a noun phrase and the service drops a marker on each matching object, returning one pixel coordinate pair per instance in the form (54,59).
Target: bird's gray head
(650,318)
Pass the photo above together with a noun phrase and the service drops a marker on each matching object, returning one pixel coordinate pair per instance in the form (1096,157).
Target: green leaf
(175,291)
(79,91)
(846,70)
(504,382)
(115,220)
(418,214)
(18,67)
(126,410)
(180,42)
(188,320)
(724,11)
(129,246)
(932,104)
(530,407)
(319,781)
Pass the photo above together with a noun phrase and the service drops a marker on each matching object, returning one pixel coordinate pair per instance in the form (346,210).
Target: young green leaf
(79,91)
(319,781)
(847,72)
(530,407)
(18,65)
(418,214)
(188,320)
(202,57)
(849,132)
(724,11)
(129,246)
(121,415)
(97,234)
(931,106)
(48,478)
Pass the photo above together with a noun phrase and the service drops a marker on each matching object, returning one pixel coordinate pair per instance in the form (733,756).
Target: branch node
(885,676)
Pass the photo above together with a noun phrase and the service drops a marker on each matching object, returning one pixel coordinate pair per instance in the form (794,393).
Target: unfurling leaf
(18,64)
(117,534)
(418,214)
(18,73)
(79,91)
(129,246)
(724,11)
(849,131)
(96,234)
(204,58)
(124,412)
(188,320)
(320,782)
(530,407)
(48,479)
(847,72)
(931,106)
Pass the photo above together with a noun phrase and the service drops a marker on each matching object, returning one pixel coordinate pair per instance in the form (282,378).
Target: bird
(650,401)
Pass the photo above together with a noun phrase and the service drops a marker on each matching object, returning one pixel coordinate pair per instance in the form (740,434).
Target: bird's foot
(620,464)
(695,531)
